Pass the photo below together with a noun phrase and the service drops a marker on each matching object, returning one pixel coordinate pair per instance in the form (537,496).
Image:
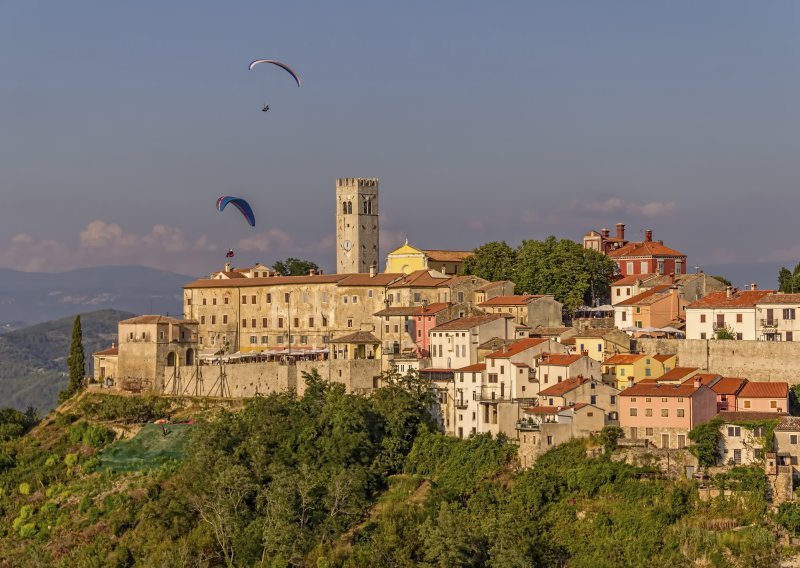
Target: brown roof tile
(357,337)
(623,359)
(559,389)
(644,249)
(109,351)
(476,368)
(431,309)
(398,311)
(448,255)
(780,298)
(156,319)
(420,279)
(744,415)
(267,281)
(382,279)
(519,300)
(491,285)
(560,360)
(647,297)
(516,348)
(660,389)
(661,357)
(740,299)
(678,374)
(788,424)
(729,385)
(755,389)
(468,323)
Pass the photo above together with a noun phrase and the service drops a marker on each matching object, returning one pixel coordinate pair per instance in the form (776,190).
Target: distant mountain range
(34,359)
(34,297)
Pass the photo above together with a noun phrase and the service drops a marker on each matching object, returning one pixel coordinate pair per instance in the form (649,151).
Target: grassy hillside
(34,365)
(331,480)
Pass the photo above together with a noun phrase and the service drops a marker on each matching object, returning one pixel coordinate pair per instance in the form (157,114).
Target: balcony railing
(769,323)
(491,395)
(528,426)
(719,326)
(461,403)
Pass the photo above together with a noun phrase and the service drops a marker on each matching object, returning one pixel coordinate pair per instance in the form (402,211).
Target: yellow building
(601,343)
(408,259)
(636,367)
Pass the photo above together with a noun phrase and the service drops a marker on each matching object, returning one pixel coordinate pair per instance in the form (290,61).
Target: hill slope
(35,296)
(34,358)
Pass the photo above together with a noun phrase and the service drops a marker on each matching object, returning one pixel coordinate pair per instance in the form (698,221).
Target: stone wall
(673,463)
(755,360)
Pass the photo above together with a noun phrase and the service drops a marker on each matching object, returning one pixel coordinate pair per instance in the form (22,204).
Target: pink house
(424,321)
(764,397)
(663,414)
(727,390)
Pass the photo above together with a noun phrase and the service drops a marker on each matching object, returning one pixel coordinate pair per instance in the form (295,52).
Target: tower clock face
(347,245)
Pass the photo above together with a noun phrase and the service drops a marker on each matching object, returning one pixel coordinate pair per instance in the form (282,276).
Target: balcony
(491,394)
(769,323)
(528,425)
(461,403)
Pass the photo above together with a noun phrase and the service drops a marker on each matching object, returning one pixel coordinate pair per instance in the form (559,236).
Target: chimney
(621,231)
(372,269)
(697,382)
(728,291)
(648,236)
(753,286)
(630,382)
(227,267)
(605,233)
(312,272)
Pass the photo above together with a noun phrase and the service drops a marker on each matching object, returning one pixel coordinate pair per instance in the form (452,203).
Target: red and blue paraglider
(242,205)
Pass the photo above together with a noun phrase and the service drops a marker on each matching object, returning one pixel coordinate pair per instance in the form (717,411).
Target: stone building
(407,259)
(105,365)
(529,310)
(357,225)
(540,428)
(581,390)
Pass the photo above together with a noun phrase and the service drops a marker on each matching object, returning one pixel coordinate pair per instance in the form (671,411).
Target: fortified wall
(241,380)
(754,360)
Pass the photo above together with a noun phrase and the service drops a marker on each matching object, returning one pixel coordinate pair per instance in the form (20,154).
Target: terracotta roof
(434,308)
(644,249)
(788,424)
(267,281)
(661,357)
(448,255)
(780,298)
(523,365)
(554,409)
(550,331)
(743,415)
(357,337)
(398,311)
(647,297)
(231,274)
(659,389)
(559,360)
(157,319)
(740,299)
(595,332)
(519,300)
(729,385)
(631,279)
(477,367)
(420,279)
(516,348)
(109,351)
(623,359)
(559,389)
(491,285)
(468,323)
(764,390)
(678,374)
(707,379)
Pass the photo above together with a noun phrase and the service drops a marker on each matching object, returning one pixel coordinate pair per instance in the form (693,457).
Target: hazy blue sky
(121,123)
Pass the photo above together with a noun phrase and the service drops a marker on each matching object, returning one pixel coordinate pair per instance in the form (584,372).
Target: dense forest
(329,479)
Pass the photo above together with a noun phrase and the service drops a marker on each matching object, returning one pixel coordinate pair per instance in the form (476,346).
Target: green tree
(725,333)
(294,267)
(723,280)
(493,261)
(706,439)
(574,275)
(76,362)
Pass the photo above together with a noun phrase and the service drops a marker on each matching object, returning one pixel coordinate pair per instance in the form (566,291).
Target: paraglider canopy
(279,64)
(242,205)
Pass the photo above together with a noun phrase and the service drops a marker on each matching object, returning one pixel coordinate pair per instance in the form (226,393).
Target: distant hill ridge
(38,296)
(34,366)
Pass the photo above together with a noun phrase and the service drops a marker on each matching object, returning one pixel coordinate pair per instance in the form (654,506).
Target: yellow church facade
(408,259)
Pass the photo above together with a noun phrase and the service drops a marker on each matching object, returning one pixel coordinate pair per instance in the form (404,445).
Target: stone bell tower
(356,224)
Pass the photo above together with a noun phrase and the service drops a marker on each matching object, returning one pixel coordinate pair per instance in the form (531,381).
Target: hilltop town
(667,352)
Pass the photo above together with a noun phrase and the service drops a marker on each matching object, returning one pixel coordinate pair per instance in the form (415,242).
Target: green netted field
(149,448)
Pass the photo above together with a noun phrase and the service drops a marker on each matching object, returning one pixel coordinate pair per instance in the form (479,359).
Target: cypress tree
(76,362)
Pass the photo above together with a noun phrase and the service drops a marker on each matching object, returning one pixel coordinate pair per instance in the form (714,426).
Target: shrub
(70,460)
(28,530)
(24,488)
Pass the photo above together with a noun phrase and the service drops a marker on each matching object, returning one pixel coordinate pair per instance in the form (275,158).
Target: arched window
(171,359)
(369,206)
(189,357)
(364,208)
(344,207)
(349,206)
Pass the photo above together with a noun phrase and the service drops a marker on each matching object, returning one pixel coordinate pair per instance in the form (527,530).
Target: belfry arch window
(344,207)
(171,359)
(189,357)
(349,206)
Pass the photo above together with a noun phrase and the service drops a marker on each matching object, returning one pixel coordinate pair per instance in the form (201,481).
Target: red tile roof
(516,348)
(420,279)
(764,390)
(743,415)
(559,389)
(468,323)
(678,374)
(647,297)
(448,255)
(660,357)
(109,351)
(624,359)
(267,281)
(659,389)
(631,279)
(519,300)
(434,308)
(729,385)
(398,311)
(476,368)
(381,279)
(553,409)
(559,360)
(644,249)
(780,298)
(707,379)
(740,299)
(157,319)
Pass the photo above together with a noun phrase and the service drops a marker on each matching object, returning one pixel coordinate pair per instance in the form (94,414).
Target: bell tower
(356,224)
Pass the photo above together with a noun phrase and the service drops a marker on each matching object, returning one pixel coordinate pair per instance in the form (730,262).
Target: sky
(121,124)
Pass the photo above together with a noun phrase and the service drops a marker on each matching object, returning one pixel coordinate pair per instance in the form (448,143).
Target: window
(648,411)
(291,339)
(244,299)
(793,439)
(303,339)
(350,324)
(279,339)
(202,319)
(188,301)
(355,299)
(324,296)
(680,413)
(747,404)
(648,399)
(304,297)
(788,313)
(344,299)
(296,322)
(613,399)
(622,371)
(387,328)
(738,318)
(324,321)
(618,291)
(310,322)
(702,336)
(789,336)
(648,431)
(397,329)
(461,297)
(665,412)
(204,301)
(629,267)
(252,299)
(739,336)
(264,339)
(647,372)
(416,297)
(624,316)
(592,399)
(214,319)
(224,319)
(643,267)
(634,412)
(702,318)
(280,322)
(638,311)
(773,404)
(286,297)
(264,322)
(269,298)
(253,323)
(549,440)
(244,322)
